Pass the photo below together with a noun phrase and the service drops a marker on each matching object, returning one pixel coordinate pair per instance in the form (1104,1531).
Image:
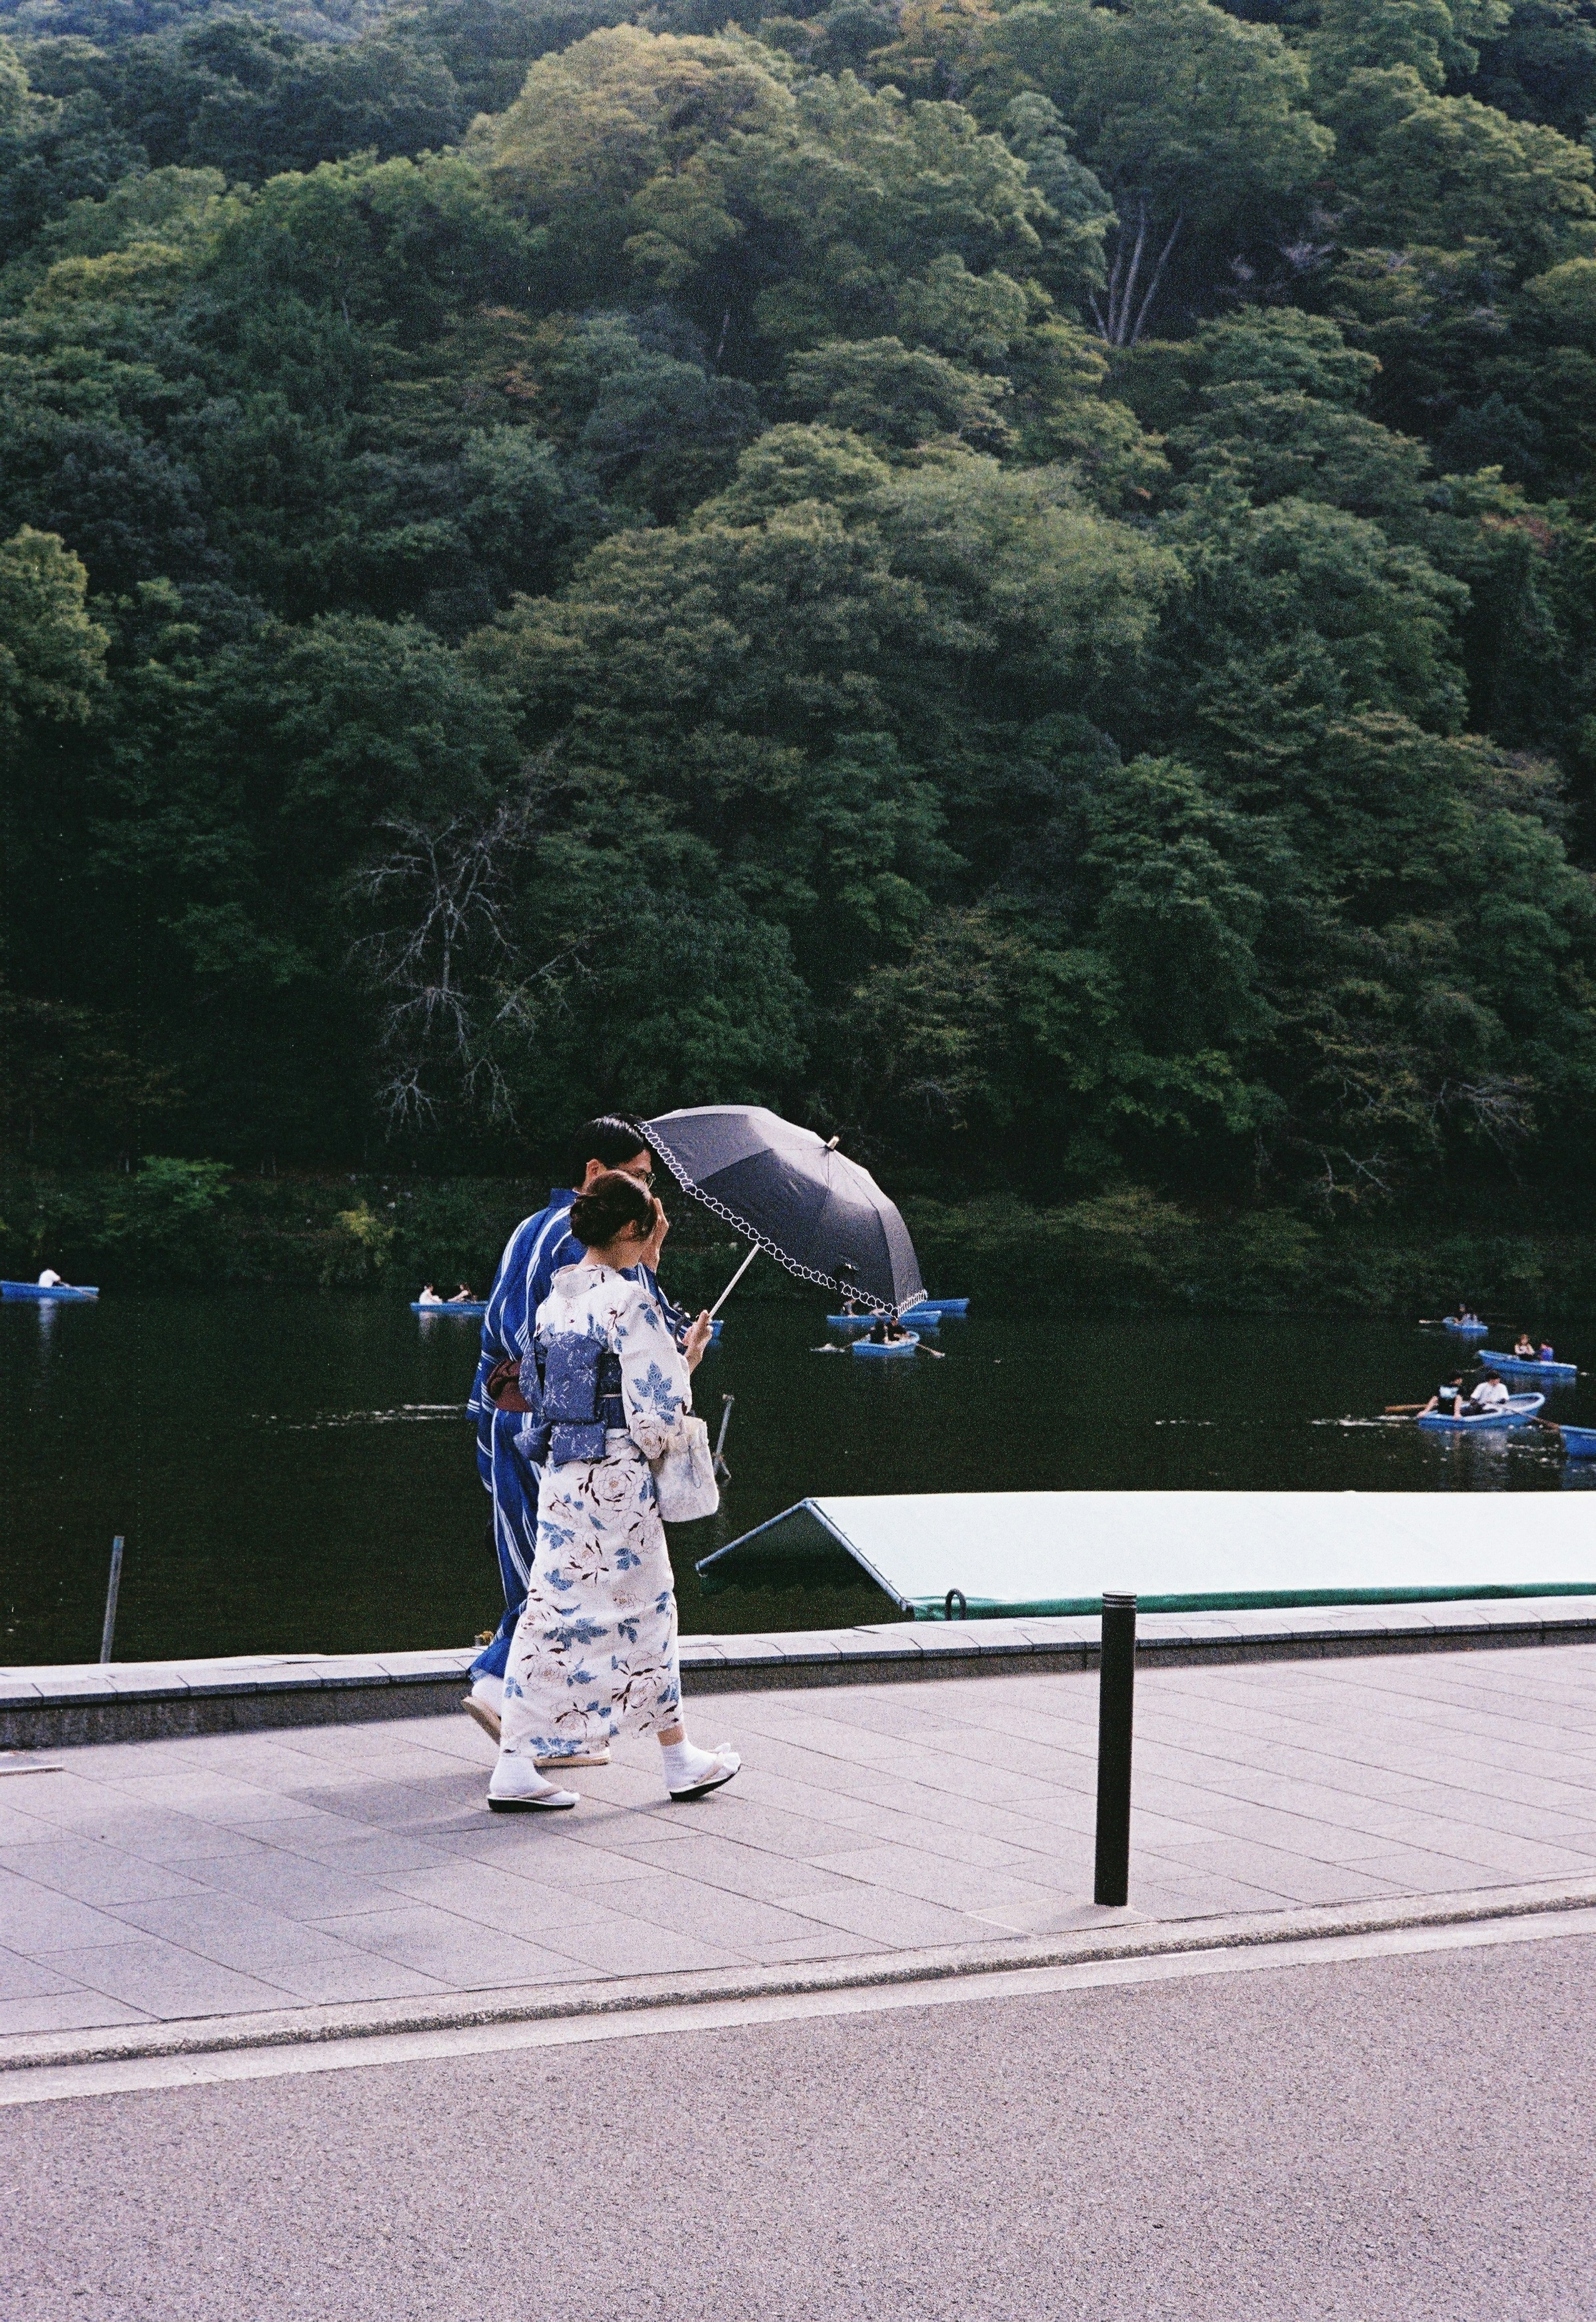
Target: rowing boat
(54,1292)
(1517,1411)
(904,1345)
(947,1305)
(1579,1442)
(1528,1363)
(449,1306)
(1468,1330)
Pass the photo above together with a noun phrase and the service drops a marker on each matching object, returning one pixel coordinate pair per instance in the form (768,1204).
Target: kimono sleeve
(656,1388)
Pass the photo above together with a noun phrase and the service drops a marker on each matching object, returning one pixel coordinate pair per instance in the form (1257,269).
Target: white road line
(51,2084)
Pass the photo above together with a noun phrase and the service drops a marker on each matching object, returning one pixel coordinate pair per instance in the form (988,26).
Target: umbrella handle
(735,1279)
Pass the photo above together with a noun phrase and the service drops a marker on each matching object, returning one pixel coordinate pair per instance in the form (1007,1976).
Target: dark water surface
(294,1472)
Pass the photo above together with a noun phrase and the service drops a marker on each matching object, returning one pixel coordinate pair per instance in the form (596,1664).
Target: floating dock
(975,1555)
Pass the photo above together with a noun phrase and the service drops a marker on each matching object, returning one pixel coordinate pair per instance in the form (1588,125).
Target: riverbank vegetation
(181,1226)
(1017,581)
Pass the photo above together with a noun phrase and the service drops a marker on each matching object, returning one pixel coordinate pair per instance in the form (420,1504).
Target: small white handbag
(684,1476)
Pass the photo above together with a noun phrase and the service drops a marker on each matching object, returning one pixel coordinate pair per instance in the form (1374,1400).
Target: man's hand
(700,1334)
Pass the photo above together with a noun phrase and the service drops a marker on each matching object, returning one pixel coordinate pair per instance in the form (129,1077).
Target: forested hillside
(1017,581)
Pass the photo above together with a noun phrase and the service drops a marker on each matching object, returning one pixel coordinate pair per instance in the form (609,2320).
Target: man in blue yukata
(536,1250)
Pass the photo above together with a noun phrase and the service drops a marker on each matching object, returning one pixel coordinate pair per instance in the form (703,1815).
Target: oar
(935,1353)
(1394,1409)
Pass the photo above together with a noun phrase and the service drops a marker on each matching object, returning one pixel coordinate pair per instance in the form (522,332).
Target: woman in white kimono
(595,1652)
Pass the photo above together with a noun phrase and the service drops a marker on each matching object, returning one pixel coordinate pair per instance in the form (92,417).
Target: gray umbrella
(818,1214)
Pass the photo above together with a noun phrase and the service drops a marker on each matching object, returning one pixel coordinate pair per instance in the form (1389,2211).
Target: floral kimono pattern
(594,1653)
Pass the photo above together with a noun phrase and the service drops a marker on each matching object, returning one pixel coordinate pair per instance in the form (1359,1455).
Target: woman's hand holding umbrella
(699,1333)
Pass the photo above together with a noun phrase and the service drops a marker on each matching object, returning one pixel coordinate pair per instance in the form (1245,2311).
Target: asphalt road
(1398,2138)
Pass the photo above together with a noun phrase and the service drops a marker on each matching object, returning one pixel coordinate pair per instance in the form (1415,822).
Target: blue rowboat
(1525,1363)
(1517,1411)
(60,1292)
(947,1305)
(1468,1330)
(1579,1442)
(449,1306)
(904,1345)
(929,1317)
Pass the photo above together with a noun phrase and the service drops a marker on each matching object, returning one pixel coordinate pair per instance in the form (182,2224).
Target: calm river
(293,1471)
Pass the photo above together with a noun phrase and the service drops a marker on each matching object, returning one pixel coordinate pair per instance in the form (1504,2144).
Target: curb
(67,1707)
(1128,1939)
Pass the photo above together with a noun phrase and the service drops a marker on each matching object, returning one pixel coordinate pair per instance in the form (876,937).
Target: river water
(294,1472)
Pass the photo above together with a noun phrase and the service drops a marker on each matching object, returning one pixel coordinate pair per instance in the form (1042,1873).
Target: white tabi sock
(687,1766)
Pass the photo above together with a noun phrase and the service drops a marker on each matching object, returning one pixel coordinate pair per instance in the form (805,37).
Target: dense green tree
(1195,123)
(1023,581)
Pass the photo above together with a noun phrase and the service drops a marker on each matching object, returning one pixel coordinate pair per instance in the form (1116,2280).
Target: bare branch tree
(1121,316)
(453,980)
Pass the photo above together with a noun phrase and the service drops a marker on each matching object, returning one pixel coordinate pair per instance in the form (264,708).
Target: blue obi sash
(572,1382)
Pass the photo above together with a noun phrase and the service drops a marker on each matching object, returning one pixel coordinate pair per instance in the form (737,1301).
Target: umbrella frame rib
(730,1217)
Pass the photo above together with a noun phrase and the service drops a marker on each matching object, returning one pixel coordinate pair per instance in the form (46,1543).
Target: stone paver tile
(73,2009)
(755,1872)
(355,1850)
(1493,1850)
(893,1922)
(527,1847)
(617,1945)
(413,1806)
(798,1828)
(37,1920)
(1302,1834)
(1273,1872)
(459,1952)
(205,1796)
(165,1980)
(93,1872)
(22,1978)
(821,1942)
(16,1828)
(291,1885)
(156,1835)
(491,1895)
(711,1915)
(324,1981)
(1422,1870)
(930,1878)
(236,1934)
(760,1788)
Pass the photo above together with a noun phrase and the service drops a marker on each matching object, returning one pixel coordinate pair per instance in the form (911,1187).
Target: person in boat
(429,1296)
(463,1297)
(1524,1348)
(595,1650)
(885,1330)
(1448,1396)
(1547,1353)
(537,1249)
(50,1280)
(1488,1393)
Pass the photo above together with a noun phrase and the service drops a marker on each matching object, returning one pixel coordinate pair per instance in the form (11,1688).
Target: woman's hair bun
(610,1203)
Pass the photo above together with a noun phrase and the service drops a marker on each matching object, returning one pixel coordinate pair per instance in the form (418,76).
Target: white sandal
(522,1789)
(727,1764)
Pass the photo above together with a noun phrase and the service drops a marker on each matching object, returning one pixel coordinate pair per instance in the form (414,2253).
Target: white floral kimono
(594,1653)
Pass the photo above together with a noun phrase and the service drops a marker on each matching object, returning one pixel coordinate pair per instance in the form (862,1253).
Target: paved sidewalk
(167,1882)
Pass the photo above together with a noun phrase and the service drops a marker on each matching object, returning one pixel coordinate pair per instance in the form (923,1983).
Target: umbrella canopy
(815,1212)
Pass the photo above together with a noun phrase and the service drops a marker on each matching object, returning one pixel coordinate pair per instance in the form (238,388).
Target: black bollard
(1115,1696)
